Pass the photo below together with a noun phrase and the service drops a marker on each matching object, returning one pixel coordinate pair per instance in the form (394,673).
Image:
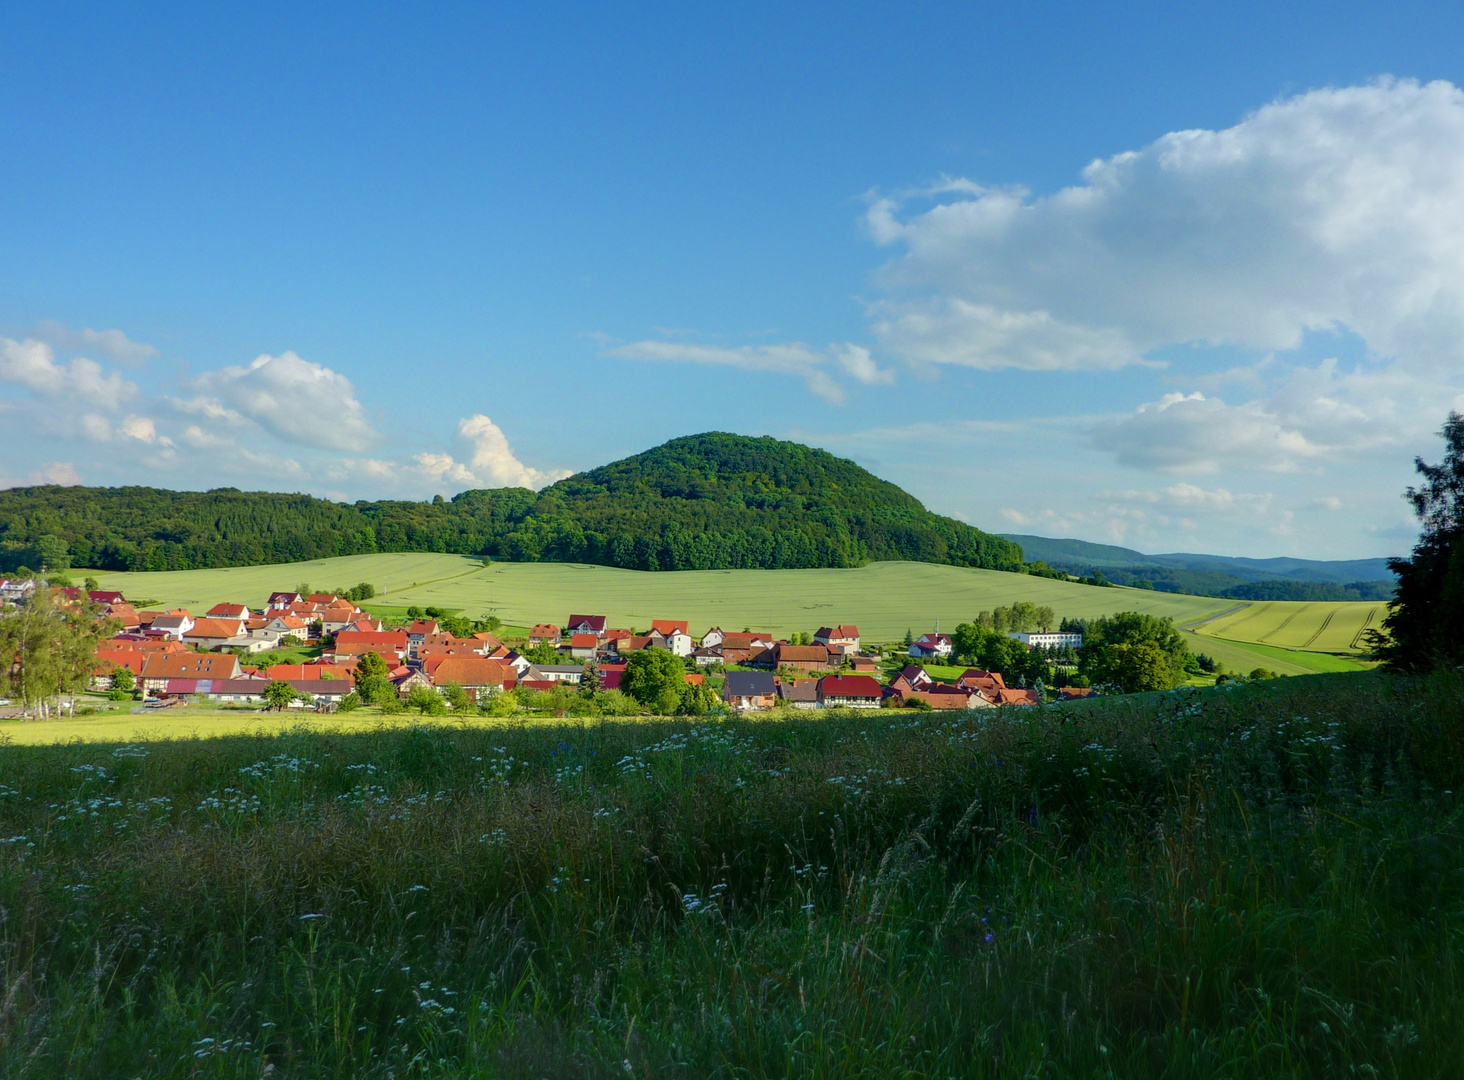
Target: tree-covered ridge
(714,501)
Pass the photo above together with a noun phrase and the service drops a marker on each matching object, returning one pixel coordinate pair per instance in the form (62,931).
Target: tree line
(705,502)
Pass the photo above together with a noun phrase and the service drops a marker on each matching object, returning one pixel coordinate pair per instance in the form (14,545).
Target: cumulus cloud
(1312,414)
(32,364)
(811,365)
(113,344)
(293,399)
(1333,207)
(494,461)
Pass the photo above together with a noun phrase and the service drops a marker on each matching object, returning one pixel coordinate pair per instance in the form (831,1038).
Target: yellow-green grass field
(882,599)
(1314,627)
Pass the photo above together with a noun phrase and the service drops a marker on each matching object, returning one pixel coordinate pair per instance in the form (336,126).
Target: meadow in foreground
(1263,880)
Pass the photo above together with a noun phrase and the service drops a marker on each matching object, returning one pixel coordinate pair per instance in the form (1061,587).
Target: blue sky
(1183,278)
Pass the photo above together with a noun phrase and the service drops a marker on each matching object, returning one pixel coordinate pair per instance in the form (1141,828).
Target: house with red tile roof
(844,637)
(802,657)
(213,633)
(160,667)
(849,692)
(479,676)
(544,634)
(105,596)
(582,646)
(227,611)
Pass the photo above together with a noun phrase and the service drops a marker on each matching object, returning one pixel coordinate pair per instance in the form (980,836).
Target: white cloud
(110,343)
(494,461)
(32,364)
(809,364)
(950,330)
(1334,207)
(444,467)
(293,399)
(56,472)
(1311,415)
(1190,432)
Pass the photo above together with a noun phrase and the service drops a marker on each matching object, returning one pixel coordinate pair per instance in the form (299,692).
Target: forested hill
(713,501)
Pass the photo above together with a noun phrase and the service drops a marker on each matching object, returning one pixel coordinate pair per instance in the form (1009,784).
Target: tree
(123,681)
(90,584)
(655,678)
(278,695)
(1134,669)
(456,697)
(48,649)
(909,637)
(1424,627)
(492,624)
(1133,629)
(414,612)
(303,588)
(542,653)
(350,703)
(426,700)
(372,682)
(371,664)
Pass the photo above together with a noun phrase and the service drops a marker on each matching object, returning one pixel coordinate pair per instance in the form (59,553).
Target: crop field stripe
(1357,637)
(1284,624)
(1194,626)
(1223,628)
(1325,623)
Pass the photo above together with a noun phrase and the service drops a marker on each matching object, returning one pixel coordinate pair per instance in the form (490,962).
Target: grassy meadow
(883,599)
(1257,881)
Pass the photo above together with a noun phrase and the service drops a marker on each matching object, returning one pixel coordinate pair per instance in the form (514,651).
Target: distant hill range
(1216,575)
(712,501)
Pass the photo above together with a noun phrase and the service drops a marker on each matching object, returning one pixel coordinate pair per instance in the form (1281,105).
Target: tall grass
(1230,883)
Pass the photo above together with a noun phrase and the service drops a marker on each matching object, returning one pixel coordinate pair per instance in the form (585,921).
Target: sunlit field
(883,599)
(1257,881)
(1317,627)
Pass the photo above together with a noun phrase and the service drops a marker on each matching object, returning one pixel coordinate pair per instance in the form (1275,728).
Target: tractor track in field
(1265,638)
(1320,630)
(1357,637)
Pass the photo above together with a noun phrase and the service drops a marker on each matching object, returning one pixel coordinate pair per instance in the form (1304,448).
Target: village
(222,657)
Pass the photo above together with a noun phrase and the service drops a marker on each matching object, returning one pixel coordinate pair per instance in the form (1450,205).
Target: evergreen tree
(1425,623)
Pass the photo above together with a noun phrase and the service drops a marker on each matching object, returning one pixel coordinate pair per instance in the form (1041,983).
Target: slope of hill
(1217,575)
(712,501)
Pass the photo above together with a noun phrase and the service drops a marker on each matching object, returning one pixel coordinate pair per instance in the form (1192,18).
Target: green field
(882,599)
(1316,627)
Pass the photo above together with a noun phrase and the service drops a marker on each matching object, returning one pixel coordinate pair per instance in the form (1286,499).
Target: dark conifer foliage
(1425,628)
(712,501)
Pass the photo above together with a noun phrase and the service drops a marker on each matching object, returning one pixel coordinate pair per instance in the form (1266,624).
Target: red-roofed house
(108,659)
(582,646)
(213,633)
(477,675)
(159,668)
(103,596)
(945,696)
(845,638)
(849,692)
(279,601)
(988,682)
(228,611)
(585,624)
(674,631)
(802,657)
(544,634)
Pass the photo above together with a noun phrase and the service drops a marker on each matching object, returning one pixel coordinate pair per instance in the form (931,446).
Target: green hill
(703,502)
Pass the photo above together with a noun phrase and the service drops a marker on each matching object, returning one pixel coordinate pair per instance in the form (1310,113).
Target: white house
(1047,640)
(931,646)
